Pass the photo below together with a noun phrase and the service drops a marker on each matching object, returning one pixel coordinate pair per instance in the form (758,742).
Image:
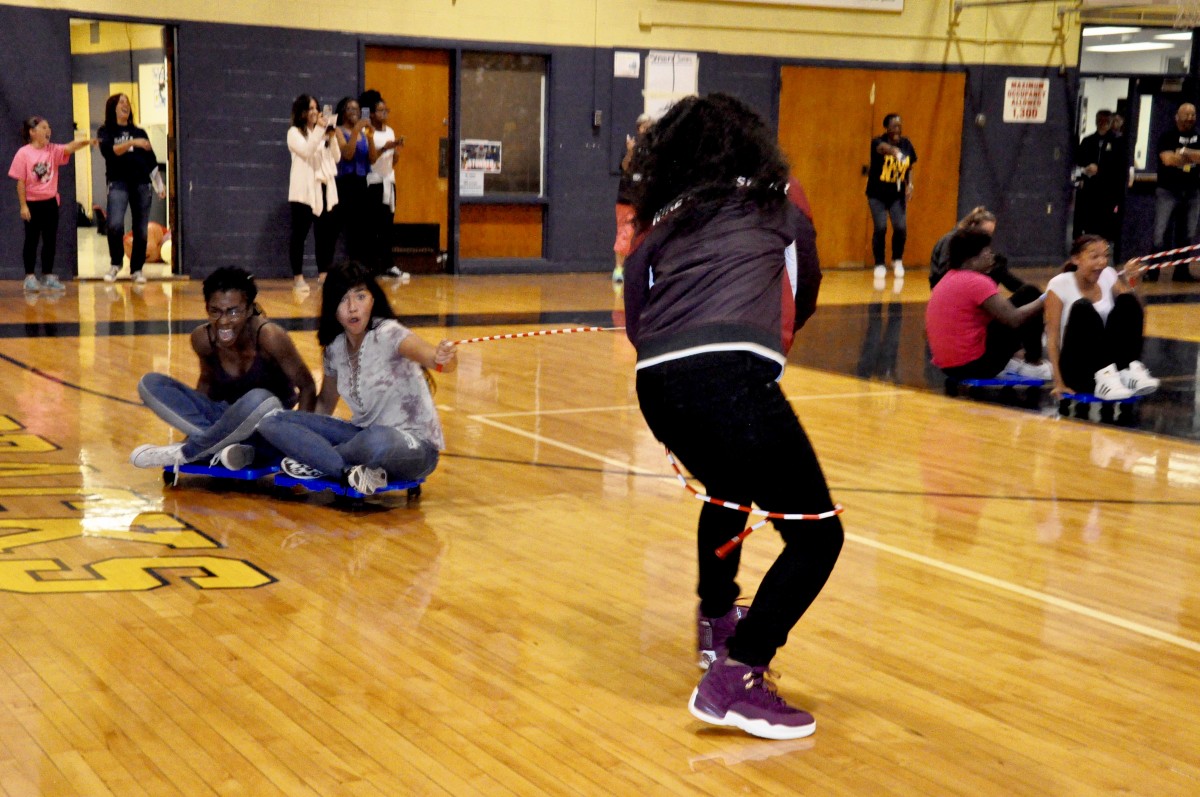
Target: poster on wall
(855,5)
(479,155)
(1026,100)
(152,94)
(670,76)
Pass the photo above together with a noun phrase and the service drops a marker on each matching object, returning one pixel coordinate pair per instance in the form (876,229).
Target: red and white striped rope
(1165,253)
(724,550)
(1166,264)
(535,334)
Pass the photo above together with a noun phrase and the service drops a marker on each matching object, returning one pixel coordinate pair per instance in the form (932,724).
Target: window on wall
(502,134)
(1127,49)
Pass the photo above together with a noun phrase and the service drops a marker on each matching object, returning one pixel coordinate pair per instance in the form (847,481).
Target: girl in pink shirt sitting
(35,168)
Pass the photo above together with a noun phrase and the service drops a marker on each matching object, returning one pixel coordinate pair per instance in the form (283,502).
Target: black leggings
(324,231)
(1004,341)
(1090,344)
(725,418)
(42,224)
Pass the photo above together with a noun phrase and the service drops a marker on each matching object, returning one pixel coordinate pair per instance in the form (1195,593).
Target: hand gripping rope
(725,549)
(534,334)
(1166,264)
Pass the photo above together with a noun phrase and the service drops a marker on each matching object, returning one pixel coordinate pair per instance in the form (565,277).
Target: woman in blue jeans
(129,161)
(379,367)
(725,274)
(248,368)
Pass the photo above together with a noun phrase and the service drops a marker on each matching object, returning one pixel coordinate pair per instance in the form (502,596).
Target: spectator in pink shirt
(35,168)
(973,331)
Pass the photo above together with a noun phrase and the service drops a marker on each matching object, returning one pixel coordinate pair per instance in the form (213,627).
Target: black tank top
(263,372)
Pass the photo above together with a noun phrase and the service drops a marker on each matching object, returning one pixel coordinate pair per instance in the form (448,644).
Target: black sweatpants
(726,419)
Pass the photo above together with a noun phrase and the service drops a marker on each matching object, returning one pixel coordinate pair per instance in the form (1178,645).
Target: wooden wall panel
(500,231)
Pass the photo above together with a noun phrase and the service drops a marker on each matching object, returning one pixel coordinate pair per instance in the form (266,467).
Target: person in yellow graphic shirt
(889,187)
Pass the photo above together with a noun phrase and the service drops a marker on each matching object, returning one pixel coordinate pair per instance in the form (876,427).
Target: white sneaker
(898,269)
(233,457)
(394,271)
(53,283)
(1138,379)
(367,480)
(298,470)
(111,275)
(1024,370)
(139,278)
(31,284)
(151,456)
(1109,386)
(880,272)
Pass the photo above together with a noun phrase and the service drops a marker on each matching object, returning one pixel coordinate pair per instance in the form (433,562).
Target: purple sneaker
(740,696)
(713,632)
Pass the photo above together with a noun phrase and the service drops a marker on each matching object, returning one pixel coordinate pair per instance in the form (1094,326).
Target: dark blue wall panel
(1020,171)
(35,79)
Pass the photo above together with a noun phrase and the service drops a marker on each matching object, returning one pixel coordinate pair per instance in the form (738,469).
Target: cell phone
(326,110)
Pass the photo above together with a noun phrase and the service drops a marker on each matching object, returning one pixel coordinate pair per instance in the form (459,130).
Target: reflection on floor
(883,338)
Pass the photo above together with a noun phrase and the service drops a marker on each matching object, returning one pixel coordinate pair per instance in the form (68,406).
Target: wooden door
(416,86)
(827,118)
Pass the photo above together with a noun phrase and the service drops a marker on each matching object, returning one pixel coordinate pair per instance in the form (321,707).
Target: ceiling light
(1105,30)
(1181,36)
(1129,47)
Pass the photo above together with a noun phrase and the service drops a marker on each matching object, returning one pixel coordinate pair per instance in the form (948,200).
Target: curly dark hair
(232,278)
(368,100)
(300,111)
(966,244)
(702,152)
(341,279)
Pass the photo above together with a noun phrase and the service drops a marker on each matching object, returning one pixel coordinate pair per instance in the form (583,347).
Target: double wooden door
(827,118)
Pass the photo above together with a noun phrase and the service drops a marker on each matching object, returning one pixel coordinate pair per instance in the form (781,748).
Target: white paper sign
(1026,99)
(627,64)
(670,77)
(470,183)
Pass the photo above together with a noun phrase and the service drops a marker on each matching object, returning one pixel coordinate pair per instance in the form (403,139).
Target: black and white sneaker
(298,470)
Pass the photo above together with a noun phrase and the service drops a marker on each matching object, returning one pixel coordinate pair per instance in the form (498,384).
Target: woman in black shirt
(129,162)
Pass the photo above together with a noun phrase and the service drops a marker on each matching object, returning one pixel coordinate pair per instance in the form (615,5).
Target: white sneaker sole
(759,728)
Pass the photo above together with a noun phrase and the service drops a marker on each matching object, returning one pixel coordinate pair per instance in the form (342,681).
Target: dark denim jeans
(332,445)
(137,198)
(209,425)
(880,210)
(725,418)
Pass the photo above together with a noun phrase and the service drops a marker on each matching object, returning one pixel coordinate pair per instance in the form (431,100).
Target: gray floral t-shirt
(381,386)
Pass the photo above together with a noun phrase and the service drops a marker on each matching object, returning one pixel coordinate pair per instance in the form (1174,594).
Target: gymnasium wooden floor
(1016,610)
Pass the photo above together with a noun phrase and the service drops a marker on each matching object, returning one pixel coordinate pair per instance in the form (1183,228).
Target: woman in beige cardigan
(312,192)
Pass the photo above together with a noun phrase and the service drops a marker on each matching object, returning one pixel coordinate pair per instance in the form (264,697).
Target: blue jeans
(725,418)
(332,445)
(209,425)
(880,211)
(137,198)
(1167,204)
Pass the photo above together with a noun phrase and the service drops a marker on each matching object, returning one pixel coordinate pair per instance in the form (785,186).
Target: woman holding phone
(312,186)
(358,153)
